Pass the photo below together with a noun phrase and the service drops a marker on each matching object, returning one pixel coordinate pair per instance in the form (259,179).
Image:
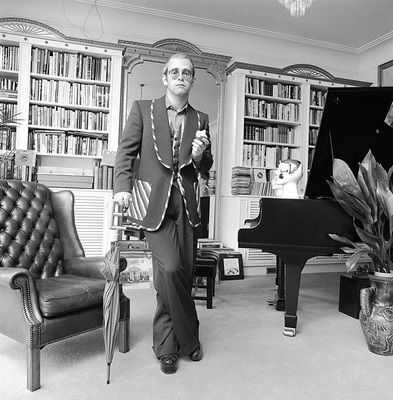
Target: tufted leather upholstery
(49,290)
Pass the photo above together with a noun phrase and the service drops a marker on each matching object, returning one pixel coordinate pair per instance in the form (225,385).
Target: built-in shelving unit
(9,73)
(65,93)
(270,115)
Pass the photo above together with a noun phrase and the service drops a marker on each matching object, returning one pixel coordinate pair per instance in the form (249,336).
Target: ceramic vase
(376,313)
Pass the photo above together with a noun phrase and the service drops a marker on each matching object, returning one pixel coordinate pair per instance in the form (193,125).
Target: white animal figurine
(286,178)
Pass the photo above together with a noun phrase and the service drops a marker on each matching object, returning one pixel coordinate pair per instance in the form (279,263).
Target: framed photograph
(385,74)
(230,266)
(138,273)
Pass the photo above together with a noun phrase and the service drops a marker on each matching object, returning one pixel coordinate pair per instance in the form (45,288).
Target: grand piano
(354,120)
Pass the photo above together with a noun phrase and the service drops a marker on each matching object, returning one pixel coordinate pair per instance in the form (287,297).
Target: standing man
(172,140)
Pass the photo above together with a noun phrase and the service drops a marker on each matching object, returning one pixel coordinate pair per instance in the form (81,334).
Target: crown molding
(235,27)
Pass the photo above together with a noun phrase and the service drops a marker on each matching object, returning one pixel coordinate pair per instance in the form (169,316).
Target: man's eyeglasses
(175,73)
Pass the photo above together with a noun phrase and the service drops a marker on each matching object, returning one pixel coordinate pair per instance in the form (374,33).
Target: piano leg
(292,277)
(280,282)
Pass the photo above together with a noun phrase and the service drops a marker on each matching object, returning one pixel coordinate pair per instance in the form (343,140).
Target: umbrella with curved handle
(111,303)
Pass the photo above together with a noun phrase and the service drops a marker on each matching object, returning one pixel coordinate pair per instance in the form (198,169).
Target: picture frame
(385,74)
(230,266)
(138,273)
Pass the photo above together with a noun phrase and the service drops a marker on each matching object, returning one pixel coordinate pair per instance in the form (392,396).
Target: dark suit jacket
(147,135)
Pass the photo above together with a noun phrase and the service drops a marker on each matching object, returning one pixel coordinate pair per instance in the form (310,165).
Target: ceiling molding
(235,27)
(376,42)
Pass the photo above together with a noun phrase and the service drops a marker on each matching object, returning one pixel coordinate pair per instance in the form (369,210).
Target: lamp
(297,8)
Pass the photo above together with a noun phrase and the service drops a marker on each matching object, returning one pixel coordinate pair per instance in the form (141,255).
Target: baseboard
(308,269)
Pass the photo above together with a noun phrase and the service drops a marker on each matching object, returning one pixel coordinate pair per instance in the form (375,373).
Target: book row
(9,58)
(7,139)
(70,65)
(8,169)
(272,110)
(278,133)
(8,110)
(8,84)
(317,98)
(101,177)
(261,182)
(310,157)
(74,93)
(257,155)
(57,142)
(312,137)
(60,117)
(315,117)
(265,88)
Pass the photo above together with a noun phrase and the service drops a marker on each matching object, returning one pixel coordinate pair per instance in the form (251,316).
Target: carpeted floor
(246,354)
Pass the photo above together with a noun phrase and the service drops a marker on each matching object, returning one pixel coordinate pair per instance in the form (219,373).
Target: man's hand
(123,198)
(199,145)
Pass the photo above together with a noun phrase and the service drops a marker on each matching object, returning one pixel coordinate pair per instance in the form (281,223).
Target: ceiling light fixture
(297,8)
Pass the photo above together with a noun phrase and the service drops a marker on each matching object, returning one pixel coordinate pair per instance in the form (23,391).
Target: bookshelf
(270,132)
(317,103)
(66,93)
(9,67)
(270,114)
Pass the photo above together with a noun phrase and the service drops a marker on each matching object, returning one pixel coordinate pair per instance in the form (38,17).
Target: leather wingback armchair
(49,290)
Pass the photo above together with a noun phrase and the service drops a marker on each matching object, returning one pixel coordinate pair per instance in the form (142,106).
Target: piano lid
(354,120)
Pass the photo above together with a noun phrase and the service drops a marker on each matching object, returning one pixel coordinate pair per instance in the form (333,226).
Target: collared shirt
(176,118)
(176,121)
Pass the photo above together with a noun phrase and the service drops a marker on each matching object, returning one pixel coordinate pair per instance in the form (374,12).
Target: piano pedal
(271,302)
(290,332)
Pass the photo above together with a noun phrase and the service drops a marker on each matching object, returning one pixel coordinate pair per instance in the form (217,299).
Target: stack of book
(103,172)
(205,243)
(211,183)
(9,94)
(241,181)
(65,177)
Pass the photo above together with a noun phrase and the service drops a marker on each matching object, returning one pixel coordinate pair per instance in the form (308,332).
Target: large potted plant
(369,200)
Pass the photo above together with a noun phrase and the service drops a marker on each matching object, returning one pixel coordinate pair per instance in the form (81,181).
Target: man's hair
(181,56)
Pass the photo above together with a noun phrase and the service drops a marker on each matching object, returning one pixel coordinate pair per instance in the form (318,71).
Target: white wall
(74,18)
(370,59)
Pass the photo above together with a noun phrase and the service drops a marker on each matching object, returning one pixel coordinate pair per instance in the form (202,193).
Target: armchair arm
(18,291)
(89,267)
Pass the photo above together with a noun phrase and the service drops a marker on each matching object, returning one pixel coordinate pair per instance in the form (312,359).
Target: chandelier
(297,8)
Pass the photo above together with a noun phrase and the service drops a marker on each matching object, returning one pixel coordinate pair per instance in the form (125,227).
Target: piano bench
(205,277)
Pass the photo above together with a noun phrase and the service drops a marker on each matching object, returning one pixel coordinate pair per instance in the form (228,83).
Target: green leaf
(344,176)
(368,188)
(371,240)
(381,175)
(355,207)
(341,239)
(352,261)
(390,172)
(385,198)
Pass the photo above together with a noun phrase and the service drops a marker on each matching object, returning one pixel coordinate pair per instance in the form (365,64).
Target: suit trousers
(173,247)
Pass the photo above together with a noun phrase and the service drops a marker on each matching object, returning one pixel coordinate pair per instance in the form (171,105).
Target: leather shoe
(169,363)
(197,354)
